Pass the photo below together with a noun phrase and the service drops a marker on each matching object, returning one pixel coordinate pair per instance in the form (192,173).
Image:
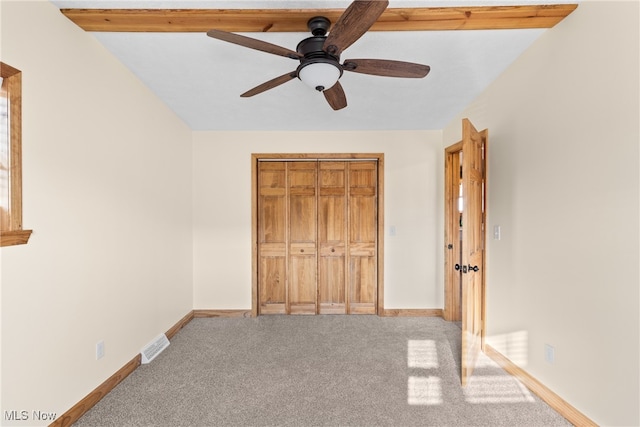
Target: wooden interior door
(272,233)
(473,244)
(332,238)
(362,244)
(302,274)
(317,239)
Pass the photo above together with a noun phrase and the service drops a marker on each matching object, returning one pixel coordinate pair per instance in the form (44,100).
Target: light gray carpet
(318,371)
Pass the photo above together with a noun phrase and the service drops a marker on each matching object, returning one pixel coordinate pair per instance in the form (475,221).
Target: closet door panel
(272,278)
(303,261)
(362,237)
(332,295)
(332,233)
(362,285)
(272,238)
(302,279)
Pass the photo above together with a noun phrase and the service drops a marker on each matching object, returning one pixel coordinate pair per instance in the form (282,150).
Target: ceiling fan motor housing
(311,49)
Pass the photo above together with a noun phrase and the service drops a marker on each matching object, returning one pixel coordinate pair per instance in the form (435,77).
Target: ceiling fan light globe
(319,75)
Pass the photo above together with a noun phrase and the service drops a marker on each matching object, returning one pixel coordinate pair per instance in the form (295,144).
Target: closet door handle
(466,268)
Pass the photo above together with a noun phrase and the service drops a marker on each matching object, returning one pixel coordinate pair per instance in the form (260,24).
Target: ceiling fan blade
(335,96)
(387,68)
(253,43)
(270,84)
(352,24)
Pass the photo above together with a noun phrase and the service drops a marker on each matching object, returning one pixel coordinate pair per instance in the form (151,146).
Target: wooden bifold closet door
(317,237)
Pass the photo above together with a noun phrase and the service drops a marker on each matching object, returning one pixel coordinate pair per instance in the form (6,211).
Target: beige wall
(563,185)
(107,191)
(222,210)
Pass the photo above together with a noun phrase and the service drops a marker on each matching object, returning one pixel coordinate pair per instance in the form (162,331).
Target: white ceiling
(201,78)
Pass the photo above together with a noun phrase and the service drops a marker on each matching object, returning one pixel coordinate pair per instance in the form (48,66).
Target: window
(11,232)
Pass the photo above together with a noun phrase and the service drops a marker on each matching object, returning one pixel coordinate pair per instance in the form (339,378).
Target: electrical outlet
(549,354)
(100,350)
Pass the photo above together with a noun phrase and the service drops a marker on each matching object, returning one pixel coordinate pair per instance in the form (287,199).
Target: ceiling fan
(319,55)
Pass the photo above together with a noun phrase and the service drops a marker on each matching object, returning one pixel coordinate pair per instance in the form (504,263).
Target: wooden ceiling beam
(288,20)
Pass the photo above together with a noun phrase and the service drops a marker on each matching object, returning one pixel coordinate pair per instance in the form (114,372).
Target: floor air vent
(154,348)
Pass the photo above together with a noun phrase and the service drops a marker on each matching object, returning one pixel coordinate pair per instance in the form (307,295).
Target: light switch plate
(100,350)
(549,354)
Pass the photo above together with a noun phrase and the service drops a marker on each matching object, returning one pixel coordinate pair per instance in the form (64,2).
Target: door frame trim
(257,157)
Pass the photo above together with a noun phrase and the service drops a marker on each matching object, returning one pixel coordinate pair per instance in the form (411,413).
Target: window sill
(16,237)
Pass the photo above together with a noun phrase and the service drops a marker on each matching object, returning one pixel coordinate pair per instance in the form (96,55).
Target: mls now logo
(26,415)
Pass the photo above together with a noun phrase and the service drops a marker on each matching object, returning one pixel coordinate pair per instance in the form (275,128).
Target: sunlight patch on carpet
(485,361)
(422,354)
(496,389)
(424,391)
